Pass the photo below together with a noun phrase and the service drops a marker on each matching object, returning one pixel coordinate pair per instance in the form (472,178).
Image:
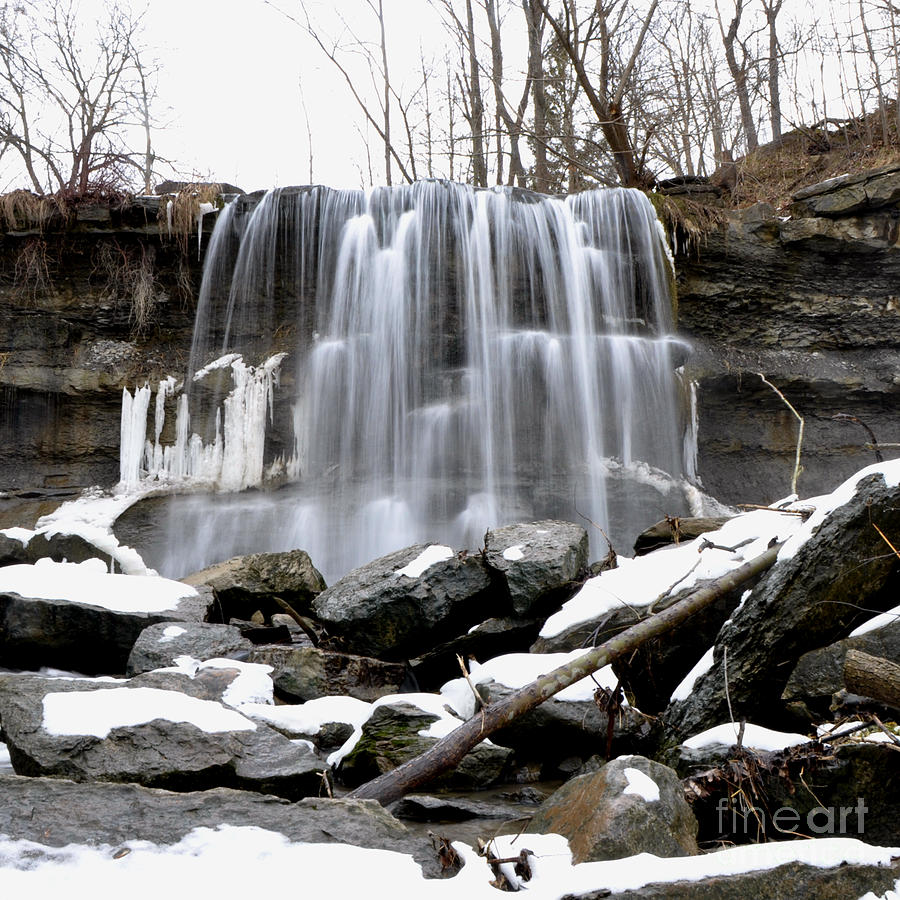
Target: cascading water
(461,359)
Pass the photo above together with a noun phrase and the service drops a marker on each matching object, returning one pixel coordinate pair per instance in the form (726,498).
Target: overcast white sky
(229,88)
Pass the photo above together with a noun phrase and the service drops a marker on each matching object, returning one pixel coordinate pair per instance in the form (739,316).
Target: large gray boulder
(540,561)
(161,644)
(87,635)
(305,673)
(400,605)
(245,584)
(130,731)
(807,600)
(632,805)
(55,812)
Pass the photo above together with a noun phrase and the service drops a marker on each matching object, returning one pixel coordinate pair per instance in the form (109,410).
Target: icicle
(132,434)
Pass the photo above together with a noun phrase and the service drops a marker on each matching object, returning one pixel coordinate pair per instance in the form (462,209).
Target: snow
(227,861)
(99,712)
(514,553)
(641,784)
(91,516)
(825,505)
(891,617)
(90,583)
(309,717)
(428,557)
(170,633)
(253,684)
(701,667)
(223,362)
(24,535)
(5,762)
(554,875)
(755,738)
(638,582)
(515,670)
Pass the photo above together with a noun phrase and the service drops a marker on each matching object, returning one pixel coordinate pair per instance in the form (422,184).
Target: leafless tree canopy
(70,91)
(555,95)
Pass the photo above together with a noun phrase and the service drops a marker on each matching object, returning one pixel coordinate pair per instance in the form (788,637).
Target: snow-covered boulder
(55,812)
(77,616)
(132,731)
(828,577)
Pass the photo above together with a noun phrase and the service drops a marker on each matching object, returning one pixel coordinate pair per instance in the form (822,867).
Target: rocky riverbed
(223,718)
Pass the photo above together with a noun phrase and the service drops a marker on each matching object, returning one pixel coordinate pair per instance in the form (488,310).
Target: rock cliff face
(810,300)
(87,306)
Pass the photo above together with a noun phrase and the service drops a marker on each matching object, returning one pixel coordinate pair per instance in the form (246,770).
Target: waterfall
(453,359)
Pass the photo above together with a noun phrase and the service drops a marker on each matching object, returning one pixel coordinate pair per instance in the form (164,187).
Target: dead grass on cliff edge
(178,212)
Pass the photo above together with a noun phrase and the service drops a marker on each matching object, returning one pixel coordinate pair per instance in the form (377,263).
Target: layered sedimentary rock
(808,299)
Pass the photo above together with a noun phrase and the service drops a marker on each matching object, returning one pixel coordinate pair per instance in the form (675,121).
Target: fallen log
(872,676)
(449,750)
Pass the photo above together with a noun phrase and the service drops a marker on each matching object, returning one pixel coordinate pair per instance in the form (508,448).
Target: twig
(885,539)
(873,445)
(885,729)
(787,403)
(479,700)
(727,691)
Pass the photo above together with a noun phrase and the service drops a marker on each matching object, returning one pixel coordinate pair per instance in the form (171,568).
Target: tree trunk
(872,676)
(448,751)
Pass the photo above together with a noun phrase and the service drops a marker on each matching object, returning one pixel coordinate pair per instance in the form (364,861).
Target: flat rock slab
(792,881)
(56,812)
(161,644)
(94,638)
(539,561)
(128,731)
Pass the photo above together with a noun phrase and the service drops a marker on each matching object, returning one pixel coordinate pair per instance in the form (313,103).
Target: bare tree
(535,24)
(739,61)
(468,84)
(336,50)
(771,8)
(66,103)
(603,31)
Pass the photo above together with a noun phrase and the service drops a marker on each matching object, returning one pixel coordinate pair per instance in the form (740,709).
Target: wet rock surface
(632,805)
(379,610)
